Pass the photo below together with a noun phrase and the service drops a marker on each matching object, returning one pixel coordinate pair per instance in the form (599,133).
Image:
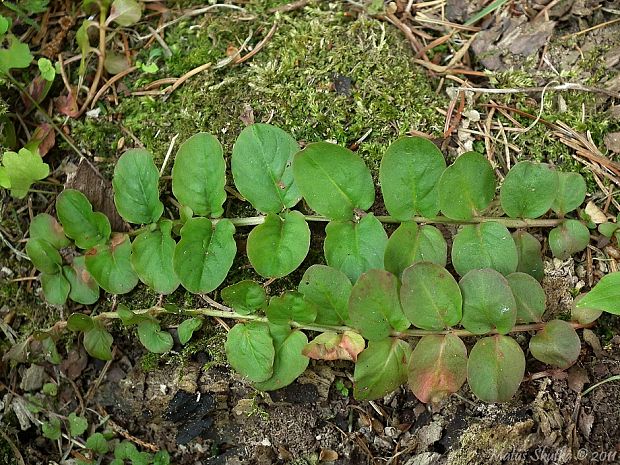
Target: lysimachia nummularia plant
(374,295)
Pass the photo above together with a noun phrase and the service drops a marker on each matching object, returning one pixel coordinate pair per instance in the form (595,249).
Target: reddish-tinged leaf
(42,140)
(438,367)
(556,344)
(67,105)
(334,346)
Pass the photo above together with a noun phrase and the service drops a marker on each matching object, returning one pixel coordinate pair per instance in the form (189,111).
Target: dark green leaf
(381,368)
(55,288)
(430,296)
(608,229)
(354,248)
(529,190)
(333,180)
(204,254)
(604,296)
(529,296)
(571,193)
(328,289)
(98,342)
(186,329)
(466,187)
(45,227)
(153,338)
(485,245)
(409,174)
(584,315)
(289,362)
(411,243)
(279,245)
(556,344)
(570,237)
(495,368)
(374,305)
(199,175)
(261,167)
(85,227)
(79,322)
(290,306)
(44,256)
(245,297)
(530,255)
(250,350)
(110,265)
(488,302)
(84,289)
(51,429)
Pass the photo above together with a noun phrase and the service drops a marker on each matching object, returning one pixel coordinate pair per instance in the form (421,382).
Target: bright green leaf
(85,227)
(529,190)
(529,296)
(250,350)
(17,55)
(290,306)
(23,169)
(153,338)
(466,187)
(604,296)
(570,194)
(411,243)
(44,226)
(55,288)
(329,290)
(289,362)
(77,424)
(557,344)
(98,342)
(46,69)
(110,265)
(278,246)
(44,256)
(333,180)
(529,253)
(261,167)
(199,175)
(161,457)
(409,175)
(97,443)
(187,328)
(570,237)
(245,297)
(608,229)
(84,288)
(430,296)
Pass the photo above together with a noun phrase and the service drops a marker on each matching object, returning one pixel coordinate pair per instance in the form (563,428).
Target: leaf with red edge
(335,346)
(42,140)
(67,105)
(438,367)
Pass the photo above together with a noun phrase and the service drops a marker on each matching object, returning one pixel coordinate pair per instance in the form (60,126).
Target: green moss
(6,453)
(150,362)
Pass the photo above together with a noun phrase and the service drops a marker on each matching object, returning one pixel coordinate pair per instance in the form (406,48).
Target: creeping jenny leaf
(374,305)
(261,167)
(125,12)
(250,350)
(438,367)
(84,289)
(381,368)
(335,346)
(85,227)
(604,296)
(199,175)
(485,245)
(570,237)
(584,315)
(44,256)
(529,296)
(556,344)
(289,362)
(186,329)
(44,226)
(529,190)
(136,194)
(409,174)
(80,322)
(571,193)
(333,180)
(466,187)
(411,243)
(245,297)
(329,290)
(430,296)
(98,342)
(279,245)
(529,253)
(488,302)
(153,338)
(151,257)
(290,306)
(204,254)
(110,265)
(354,248)
(55,288)
(495,368)
(22,170)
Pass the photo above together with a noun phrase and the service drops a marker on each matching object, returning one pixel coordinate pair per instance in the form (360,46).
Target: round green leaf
(604,296)
(186,329)
(279,245)
(110,265)
(151,256)
(290,306)
(77,424)
(84,289)
(44,226)
(430,296)
(466,187)
(288,364)
(97,443)
(333,180)
(98,342)
(411,243)
(261,167)
(529,190)
(250,350)
(44,256)
(584,315)
(438,367)
(204,254)
(570,237)
(199,175)
(79,322)
(530,255)
(495,368)
(245,297)
(354,248)
(570,194)
(529,296)
(153,338)
(488,302)
(556,344)
(328,289)
(125,12)
(136,194)
(485,245)
(85,227)
(381,368)
(409,175)
(55,288)
(374,305)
